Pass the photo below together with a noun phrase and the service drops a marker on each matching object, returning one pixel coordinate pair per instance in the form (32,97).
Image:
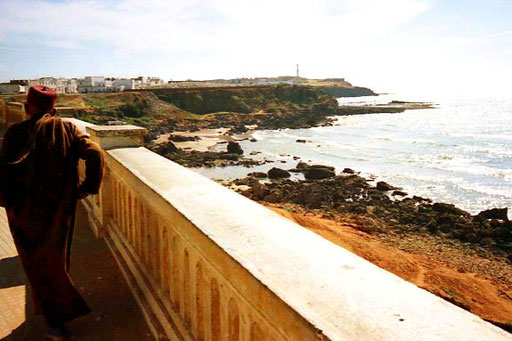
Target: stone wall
(11,112)
(205,263)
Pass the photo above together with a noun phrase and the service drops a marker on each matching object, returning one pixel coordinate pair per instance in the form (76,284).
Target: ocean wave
(485,189)
(493,150)
(500,137)
(344,157)
(412,140)
(473,169)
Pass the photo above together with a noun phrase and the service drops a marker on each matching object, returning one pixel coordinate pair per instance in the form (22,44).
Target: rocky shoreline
(380,207)
(459,252)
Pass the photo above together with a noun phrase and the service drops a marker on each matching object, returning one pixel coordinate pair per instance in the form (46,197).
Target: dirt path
(431,265)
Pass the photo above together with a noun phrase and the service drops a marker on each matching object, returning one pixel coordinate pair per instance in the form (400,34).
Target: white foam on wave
(488,190)
(495,150)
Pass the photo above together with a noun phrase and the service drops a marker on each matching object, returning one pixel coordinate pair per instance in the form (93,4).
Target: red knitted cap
(42,97)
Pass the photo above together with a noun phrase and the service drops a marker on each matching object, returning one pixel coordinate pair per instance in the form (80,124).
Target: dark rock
(488,241)
(273,197)
(231,157)
(384,186)
(234,148)
(259,175)
(165,148)
(494,213)
(318,173)
(399,193)
(302,165)
(445,218)
(314,203)
(295,170)
(253,140)
(245,181)
(181,138)
(448,208)
(495,223)
(354,180)
(258,190)
(431,226)
(417,198)
(300,141)
(278,173)
(472,237)
(322,166)
(445,228)
(239,129)
(348,171)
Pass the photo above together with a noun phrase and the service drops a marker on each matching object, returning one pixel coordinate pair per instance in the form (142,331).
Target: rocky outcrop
(166,148)
(353,194)
(258,175)
(494,213)
(234,148)
(318,173)
(355,91)
(278,173)
(182,138)
(384,186)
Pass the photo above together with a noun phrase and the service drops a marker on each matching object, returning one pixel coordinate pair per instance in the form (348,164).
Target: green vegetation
(167,109)
(279,98)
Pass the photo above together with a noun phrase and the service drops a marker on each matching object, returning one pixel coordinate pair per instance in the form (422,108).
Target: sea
(460,152)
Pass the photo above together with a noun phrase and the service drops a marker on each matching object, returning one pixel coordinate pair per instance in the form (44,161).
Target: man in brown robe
(41,203)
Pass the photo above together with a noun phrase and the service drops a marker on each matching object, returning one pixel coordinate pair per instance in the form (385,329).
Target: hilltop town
(102,84)
(80,85)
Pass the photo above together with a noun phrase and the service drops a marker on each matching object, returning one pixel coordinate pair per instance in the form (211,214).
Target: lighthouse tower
(298,71)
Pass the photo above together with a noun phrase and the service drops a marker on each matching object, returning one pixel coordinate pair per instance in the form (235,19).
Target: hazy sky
(447,46)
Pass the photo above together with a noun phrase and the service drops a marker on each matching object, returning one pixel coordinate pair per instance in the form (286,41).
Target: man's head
(40,99)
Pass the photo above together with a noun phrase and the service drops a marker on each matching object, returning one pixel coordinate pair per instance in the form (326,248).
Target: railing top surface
(80,124)
(117,130)
(19,104)
(341,294)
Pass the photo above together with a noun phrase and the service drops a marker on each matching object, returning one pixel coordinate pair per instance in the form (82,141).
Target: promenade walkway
(115,314)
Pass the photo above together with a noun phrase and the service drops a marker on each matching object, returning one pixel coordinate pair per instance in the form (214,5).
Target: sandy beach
(207,138)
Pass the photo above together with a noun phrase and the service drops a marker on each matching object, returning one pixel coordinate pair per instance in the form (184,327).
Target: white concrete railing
(206,263)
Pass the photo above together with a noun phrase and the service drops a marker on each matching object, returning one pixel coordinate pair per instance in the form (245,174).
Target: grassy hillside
(163,110)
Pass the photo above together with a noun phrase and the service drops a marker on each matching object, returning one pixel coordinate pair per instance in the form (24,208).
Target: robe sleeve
(94,161)
(7,152)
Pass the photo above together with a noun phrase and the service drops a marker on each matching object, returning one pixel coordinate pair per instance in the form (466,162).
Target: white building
(123,84)
(109,84)
(61,85)
(72,86)
(154,81)
(32,82)
(50,82)
(10,89)
(92,84)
